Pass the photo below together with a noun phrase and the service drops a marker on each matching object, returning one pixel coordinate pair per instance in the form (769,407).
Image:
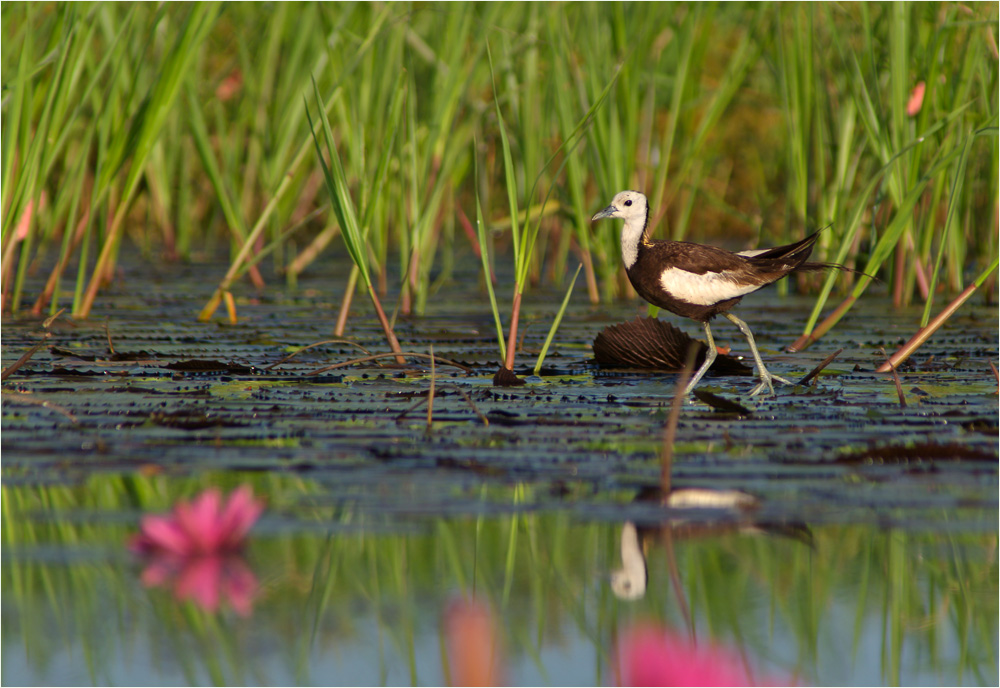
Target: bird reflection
(736,514)
(629,582)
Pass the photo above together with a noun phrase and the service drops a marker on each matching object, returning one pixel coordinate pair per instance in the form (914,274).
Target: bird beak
(607,212)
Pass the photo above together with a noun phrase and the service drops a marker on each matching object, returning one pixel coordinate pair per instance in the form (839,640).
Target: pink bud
(916,99)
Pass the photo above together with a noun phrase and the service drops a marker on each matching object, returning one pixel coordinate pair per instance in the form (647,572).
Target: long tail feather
(813,266)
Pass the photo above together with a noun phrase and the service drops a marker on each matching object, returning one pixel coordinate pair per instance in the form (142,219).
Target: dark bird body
(700,282)
(723,274)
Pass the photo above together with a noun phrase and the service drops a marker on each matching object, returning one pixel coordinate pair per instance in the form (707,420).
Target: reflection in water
(475,657)
(629,582)
(649,655)
(195,550)
(204,579)
(646,654)
(654,655)
(350,599)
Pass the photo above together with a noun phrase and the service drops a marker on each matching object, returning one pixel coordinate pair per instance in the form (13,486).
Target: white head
(625,205)
(632,207)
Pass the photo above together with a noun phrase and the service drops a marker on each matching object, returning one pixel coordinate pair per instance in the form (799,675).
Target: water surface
(870,557)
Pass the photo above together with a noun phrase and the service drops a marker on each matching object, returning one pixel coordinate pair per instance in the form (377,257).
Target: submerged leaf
(505,377)
(652,344)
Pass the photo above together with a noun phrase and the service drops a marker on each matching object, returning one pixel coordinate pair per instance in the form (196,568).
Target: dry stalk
(895,378)
(819,369)
(374,357)
(924,333)
(670,431)
(430,394)
(309,346)
(9,370)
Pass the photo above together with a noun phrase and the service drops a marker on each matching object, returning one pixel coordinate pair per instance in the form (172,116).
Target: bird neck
(633,236)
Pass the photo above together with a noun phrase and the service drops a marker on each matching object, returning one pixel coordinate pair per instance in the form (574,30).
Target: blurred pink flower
(916,100)
(648,655)
(24,222)
(474,651)
(202,526)
(230,86)
(195,549)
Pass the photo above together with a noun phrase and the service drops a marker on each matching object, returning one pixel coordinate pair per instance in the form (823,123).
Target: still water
(867,554)
(345,597)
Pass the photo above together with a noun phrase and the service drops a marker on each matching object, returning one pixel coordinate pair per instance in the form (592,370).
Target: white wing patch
(753,252)
(704,290)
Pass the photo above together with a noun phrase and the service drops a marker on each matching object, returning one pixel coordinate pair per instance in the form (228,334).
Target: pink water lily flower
(194,550)
(648,655)
(205,525)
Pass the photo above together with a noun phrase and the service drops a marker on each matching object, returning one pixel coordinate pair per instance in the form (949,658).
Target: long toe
(765,384)
(767,380)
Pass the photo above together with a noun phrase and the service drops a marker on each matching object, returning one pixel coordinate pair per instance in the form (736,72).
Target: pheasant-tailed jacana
(700,282)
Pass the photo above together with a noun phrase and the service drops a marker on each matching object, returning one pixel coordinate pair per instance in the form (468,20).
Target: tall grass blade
(343,206)
(340,194)
(484,256)
(556,321)
(883,247)
(953,202)
(146,125)
(510,177)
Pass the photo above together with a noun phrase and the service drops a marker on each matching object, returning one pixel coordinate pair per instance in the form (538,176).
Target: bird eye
(628,202)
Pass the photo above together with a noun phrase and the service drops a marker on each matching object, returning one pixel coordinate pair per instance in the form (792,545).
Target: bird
(700,282)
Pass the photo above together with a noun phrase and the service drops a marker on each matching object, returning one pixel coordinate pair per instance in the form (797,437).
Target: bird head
(626,205)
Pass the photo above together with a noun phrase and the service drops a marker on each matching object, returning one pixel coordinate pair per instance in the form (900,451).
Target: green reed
(524,235)
(182,131)
(909,158)
(355,234)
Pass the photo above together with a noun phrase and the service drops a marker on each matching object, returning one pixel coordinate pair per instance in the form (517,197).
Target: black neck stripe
(645,227)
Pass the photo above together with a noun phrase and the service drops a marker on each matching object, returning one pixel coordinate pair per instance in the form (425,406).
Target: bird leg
(709,359)
(765,377)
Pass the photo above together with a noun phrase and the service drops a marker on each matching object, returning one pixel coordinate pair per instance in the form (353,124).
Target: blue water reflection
(364,606)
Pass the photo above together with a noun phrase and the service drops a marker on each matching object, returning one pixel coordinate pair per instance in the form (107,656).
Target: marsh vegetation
(192,195)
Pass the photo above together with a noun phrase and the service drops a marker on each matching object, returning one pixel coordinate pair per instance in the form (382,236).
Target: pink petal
(204,525)
(238,516)
(239,585)
(162,533)
(199,519)
(650,656)
(200,580)
(159,571)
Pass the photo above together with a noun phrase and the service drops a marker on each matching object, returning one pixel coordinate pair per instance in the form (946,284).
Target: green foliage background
(182,128)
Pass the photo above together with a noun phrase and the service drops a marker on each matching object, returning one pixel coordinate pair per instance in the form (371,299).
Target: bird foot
(766,383)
